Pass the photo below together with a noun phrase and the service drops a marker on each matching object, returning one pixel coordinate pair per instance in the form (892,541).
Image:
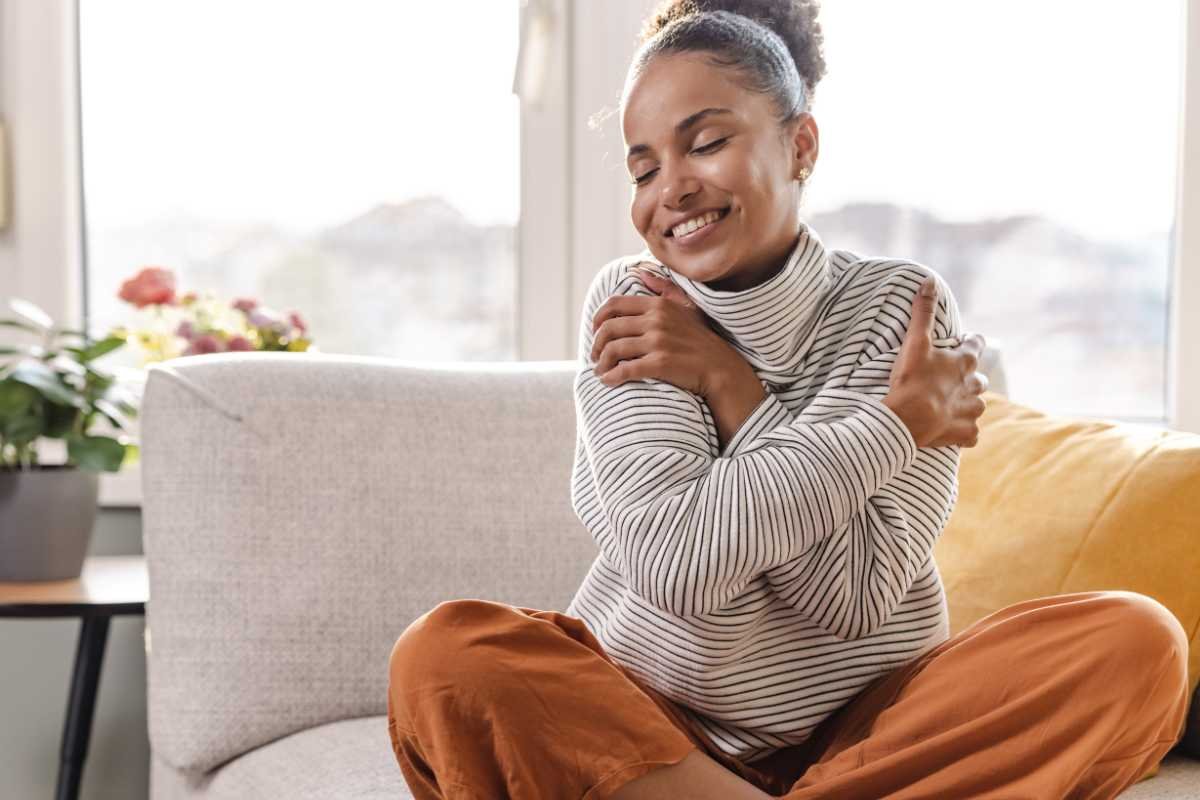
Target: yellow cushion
(1051,504)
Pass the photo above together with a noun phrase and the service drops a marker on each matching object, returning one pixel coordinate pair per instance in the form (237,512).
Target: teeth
(685,228)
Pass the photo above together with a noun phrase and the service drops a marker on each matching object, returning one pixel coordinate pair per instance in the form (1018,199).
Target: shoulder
(878,293)
(615,278)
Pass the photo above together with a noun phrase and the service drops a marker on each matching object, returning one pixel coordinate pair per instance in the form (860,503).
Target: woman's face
(698,142)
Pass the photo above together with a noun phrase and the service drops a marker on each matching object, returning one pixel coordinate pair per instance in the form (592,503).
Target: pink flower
(151,286)
(263,317)
(206,343)
(294,318)
(185,329)
(245,304)
(239,342)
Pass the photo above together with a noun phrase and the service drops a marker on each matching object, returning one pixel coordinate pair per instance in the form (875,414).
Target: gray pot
(46,520)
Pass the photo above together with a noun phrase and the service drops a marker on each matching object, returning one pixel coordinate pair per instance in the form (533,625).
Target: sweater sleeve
(688,528)
(852,580)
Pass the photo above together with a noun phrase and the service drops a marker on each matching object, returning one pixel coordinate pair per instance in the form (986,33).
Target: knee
(435,643)
(1145,640)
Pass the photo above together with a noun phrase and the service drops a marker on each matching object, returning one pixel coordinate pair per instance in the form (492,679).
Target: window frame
(572,187)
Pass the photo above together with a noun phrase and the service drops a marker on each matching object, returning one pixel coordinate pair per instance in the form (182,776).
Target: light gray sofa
(300,510)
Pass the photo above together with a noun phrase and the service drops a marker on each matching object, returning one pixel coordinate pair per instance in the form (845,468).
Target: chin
(712,265)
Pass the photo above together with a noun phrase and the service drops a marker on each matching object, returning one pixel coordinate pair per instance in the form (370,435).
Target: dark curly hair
(774,46)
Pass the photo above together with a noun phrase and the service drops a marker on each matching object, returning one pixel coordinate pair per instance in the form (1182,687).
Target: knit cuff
(894,434)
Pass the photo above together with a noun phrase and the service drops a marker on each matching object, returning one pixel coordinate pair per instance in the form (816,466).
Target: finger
(646,363)
(977,383)
(919,333)
(974,342)
(622,350)
(623,371)
(665,288)
(677,295)
(978,407)
(652,282)
(620,306)
(616,329)
(926,304)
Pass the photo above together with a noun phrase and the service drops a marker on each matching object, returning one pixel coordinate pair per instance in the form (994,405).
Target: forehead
(674,85)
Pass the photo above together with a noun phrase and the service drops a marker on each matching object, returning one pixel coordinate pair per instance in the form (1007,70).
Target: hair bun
(795,21)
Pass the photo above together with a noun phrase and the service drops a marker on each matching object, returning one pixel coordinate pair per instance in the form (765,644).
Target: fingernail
(929,288)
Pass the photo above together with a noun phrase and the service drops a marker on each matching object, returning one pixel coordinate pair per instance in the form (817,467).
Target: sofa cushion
(349,759)
(1051,504)
(352,760)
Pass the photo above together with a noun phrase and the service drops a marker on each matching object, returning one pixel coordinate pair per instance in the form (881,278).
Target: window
(1028,152)
(344,160)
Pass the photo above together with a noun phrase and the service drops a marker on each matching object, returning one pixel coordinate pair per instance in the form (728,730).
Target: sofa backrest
(300,510)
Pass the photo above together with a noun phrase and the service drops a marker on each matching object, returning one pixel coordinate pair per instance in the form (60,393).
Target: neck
(749,277)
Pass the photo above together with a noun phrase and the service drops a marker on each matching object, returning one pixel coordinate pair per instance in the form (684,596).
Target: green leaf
(60,420)
(133,454)
(23,429)
(67,365)
(101,347)
(32,314)
(15,398)
(45,380)
(16,323)
(100,453)
(30,351)
(112,412)
(70,332)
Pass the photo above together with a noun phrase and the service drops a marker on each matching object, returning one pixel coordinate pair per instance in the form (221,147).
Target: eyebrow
(682,126)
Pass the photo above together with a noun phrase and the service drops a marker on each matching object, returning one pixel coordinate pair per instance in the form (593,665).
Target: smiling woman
(769,433)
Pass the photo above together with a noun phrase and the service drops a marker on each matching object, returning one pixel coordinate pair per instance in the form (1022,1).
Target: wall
(40,249)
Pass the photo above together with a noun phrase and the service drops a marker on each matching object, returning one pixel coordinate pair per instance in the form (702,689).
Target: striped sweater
(762,586)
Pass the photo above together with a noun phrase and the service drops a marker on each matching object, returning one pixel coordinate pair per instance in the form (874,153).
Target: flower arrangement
(193,324)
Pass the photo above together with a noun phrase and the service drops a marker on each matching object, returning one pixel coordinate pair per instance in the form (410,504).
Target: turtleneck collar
(771,322)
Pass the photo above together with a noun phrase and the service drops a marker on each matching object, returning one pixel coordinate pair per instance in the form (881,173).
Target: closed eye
(711,147)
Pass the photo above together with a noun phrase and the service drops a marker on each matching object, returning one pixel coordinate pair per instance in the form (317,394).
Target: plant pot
(46,520)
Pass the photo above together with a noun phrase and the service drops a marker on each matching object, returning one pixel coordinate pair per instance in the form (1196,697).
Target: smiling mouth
(686,231)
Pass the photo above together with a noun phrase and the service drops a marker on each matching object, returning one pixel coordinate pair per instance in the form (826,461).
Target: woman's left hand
(666,337)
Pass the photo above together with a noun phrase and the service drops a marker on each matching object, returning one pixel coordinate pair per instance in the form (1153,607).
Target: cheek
(756,188)
(641,211)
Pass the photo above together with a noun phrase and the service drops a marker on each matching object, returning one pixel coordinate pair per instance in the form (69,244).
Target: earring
(804,173)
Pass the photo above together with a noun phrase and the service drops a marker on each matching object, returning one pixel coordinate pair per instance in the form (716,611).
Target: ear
(806,143)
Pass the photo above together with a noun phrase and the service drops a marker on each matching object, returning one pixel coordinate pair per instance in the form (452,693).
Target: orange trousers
(1070,696)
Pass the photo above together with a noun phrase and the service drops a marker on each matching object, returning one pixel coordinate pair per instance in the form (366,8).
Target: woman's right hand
(936,391)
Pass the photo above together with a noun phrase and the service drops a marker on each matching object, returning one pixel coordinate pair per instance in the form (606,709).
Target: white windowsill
(121,489)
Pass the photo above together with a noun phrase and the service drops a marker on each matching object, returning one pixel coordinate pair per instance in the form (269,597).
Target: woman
(768,445)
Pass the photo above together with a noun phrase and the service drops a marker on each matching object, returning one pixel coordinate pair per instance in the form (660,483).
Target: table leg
(93,633)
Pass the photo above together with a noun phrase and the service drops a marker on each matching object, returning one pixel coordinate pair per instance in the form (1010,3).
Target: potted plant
(53,389)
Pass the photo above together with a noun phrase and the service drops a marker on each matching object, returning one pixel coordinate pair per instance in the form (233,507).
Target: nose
(678,183)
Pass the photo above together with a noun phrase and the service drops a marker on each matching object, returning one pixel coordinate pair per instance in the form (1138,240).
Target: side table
(108,585)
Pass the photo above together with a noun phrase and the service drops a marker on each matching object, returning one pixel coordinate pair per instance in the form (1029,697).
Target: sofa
(301,509)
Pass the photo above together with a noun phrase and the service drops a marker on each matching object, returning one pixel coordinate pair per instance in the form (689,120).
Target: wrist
(901,410)
(730,377)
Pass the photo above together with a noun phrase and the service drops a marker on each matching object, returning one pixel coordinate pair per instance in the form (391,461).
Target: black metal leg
(93,633)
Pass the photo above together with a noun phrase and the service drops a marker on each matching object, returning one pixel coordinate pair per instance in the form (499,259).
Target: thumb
(666,288)
(920,325)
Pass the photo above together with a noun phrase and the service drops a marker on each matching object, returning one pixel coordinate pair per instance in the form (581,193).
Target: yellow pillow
(1067,504)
